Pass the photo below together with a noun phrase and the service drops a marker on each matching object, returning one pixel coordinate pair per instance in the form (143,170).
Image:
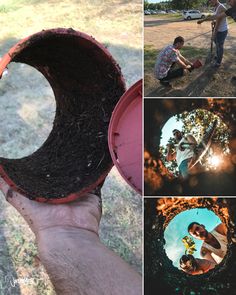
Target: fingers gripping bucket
(87,84)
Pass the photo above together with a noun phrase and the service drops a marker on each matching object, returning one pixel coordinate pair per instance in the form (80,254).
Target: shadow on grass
(162,20)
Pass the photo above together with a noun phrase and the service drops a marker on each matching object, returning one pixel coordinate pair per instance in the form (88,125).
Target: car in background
(172,11)
(193,14)
(161,12)
(147,12)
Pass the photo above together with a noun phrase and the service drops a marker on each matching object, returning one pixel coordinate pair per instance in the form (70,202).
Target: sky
(177,229)
(167,129)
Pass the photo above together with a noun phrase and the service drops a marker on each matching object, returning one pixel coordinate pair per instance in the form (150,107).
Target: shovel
(210,54)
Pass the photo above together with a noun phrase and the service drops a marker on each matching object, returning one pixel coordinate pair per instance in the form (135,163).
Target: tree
(196,123)
(187,4)
(146,4)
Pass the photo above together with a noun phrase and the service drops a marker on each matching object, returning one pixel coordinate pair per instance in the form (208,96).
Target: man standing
(229,12)
(220,31)
(167,58)
(214,245)
(184,152)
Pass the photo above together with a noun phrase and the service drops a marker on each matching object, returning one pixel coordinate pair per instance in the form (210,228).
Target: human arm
(206,254)
(70,249)
(171,156)
(185,60)
(204,266)
(217,17)
(221,228)
(191,139)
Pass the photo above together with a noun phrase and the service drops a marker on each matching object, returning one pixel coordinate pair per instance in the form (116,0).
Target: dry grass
(26,115)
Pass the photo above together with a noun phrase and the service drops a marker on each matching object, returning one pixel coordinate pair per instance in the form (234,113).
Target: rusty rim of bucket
(75,65)
(125,136)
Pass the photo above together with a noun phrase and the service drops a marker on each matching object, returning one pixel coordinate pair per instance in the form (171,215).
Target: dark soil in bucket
(87,84)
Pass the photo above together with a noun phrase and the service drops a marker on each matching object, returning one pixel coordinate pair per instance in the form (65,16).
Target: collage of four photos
(118,147)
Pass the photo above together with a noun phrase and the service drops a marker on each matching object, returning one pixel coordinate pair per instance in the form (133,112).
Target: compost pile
(160,274)
(87,84)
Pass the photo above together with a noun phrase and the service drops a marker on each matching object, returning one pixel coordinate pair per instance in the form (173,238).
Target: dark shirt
(231,12)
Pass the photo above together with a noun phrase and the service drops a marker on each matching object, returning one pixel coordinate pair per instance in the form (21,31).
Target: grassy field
(161,30)
(26,116)
(150,55)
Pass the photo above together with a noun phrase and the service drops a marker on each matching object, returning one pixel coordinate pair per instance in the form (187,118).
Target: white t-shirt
(223,26)
(217,254)
(183,155)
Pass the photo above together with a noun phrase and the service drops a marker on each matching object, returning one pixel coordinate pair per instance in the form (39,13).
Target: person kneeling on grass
(166,60)
(195,266)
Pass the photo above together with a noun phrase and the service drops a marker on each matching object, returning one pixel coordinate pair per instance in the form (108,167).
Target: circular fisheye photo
(196,241)
(193,142)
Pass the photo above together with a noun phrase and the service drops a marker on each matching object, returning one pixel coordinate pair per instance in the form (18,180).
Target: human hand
(169,146)
(84,213)
(70,249)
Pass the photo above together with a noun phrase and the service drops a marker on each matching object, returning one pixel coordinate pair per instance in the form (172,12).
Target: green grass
(117,24)
(150,55)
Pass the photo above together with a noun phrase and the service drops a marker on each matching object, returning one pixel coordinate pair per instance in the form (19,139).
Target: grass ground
(150,54)
(161,30)
(26,115)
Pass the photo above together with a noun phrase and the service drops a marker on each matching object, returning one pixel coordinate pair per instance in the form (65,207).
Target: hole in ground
(159,273)
(158,180)
(196,123)
(186,246)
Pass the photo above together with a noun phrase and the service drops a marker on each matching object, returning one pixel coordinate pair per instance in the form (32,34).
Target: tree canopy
(175,4)
(196,123)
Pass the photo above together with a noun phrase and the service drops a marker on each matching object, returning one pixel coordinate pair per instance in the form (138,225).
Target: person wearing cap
(166,60)
(183,152)
(195,266)
(214,245)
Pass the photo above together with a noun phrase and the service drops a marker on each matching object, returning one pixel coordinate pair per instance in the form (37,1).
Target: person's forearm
(209,18)
(185,60)
(78,263)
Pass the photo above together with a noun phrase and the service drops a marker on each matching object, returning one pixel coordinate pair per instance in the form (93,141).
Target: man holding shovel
(229,12)
(166,60)
(184,152)
(219,31)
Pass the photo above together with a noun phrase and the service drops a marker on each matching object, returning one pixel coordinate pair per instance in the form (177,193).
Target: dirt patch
(206,81)
(87,85)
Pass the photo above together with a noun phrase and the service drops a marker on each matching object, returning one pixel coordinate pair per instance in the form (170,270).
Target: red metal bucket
(125,136)
(87,84)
